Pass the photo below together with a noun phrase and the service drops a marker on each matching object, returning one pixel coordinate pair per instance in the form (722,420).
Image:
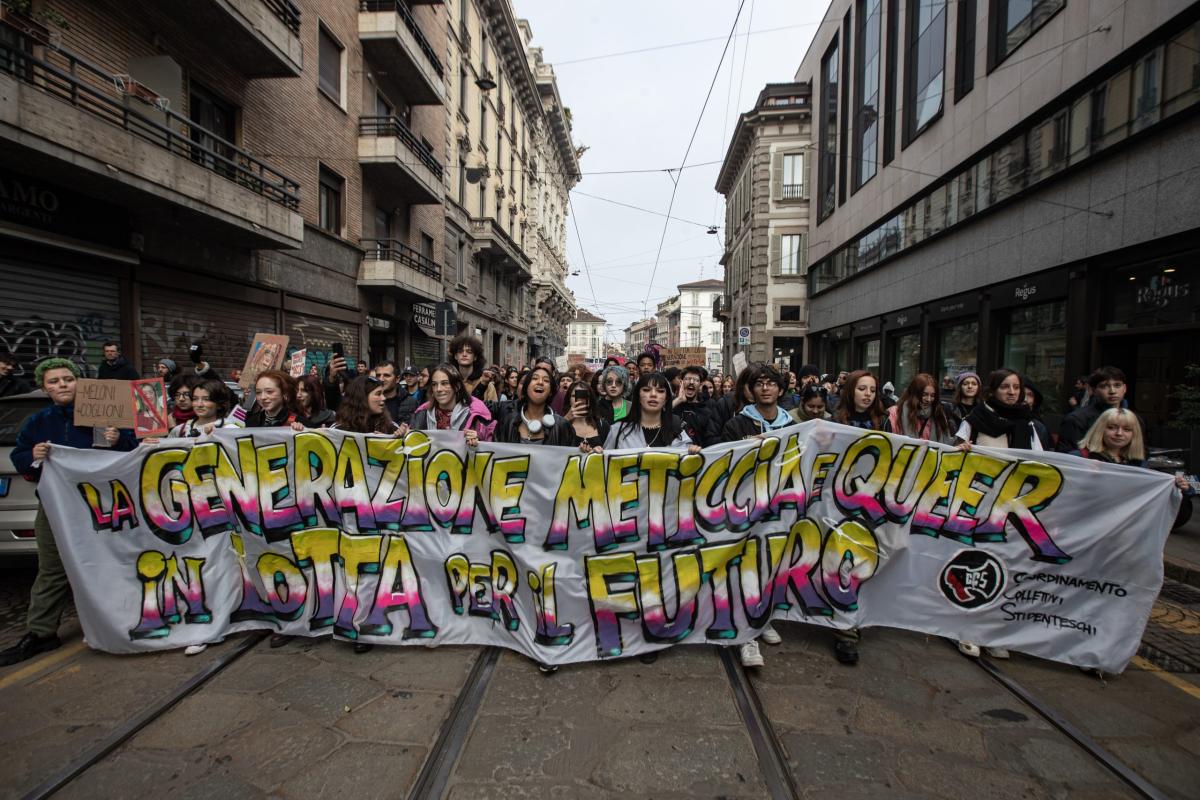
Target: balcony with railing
(393,155)
(82,126)
(492,243)
(257,38)
(392,39)
(793,191)
(391,264)
(722,308)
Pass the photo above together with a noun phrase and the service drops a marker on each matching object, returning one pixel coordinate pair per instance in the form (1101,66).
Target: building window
(789,313)
(462,180)
(427,246)
(462,88)
(866,91)
(483,122)
(926,66)
(1014,21)
(827,172)
(793,176)
(329,66)
(957,352)
(1035,345)
(330,194)
(789,254)
(889,77)
(460,261)
(964,50)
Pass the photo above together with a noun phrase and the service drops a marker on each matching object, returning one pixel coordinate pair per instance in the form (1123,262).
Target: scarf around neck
(993,418)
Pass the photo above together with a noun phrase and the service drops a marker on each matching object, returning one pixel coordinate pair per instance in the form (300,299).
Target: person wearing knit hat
(807,375)
(52,426)
(166,369)
(966,393)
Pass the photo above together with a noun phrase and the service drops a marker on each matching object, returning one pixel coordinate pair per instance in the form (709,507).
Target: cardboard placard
(103,404)
(682,356)
(140,405)
(560,363)
(267,352)
(298,359)
(739,363)
(149,397)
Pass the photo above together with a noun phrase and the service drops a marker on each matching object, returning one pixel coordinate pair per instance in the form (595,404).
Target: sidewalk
(1182,554)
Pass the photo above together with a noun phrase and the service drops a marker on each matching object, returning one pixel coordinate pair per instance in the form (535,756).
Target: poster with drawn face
(150,407)
(267,352)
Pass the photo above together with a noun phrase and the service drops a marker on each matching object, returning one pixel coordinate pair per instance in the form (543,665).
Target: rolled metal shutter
(48,311)
(317,335)
(426,350)
(172,320)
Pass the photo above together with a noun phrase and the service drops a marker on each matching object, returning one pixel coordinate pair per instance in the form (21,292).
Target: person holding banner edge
(53,425)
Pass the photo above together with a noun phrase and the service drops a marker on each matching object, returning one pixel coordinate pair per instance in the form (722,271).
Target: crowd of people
(626,404)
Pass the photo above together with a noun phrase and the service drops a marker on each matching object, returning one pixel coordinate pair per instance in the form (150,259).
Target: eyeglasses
(764,383)
(183,395)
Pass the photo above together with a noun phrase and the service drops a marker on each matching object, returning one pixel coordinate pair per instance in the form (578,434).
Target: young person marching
(918,414)
(530,420)
(1116,438)
(53,425)
(467,352)
(212,403)
(859,406)
(450,407)
(694,411)
(812,404)
(999,419)
(589,419)
(761,416)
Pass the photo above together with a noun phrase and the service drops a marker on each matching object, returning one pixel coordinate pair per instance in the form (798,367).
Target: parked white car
(18,503)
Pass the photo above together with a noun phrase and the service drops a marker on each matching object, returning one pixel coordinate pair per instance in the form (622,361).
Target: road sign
(744,335)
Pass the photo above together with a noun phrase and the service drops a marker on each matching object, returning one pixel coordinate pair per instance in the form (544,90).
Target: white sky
(637,111)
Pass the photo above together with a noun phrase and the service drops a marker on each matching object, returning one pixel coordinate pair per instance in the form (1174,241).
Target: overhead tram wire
(582,253)
(672,45)
(639,208)
(687,152)
(725,117)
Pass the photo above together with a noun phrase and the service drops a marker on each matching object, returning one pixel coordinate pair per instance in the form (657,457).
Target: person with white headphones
(530,420)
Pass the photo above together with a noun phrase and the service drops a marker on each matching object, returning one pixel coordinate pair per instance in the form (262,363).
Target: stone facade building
(585,335)
(764,179)
(217,170)
(640,334)
(697,326)
(1018,188)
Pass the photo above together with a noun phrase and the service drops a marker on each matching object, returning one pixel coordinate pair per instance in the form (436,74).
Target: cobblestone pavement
(312,719)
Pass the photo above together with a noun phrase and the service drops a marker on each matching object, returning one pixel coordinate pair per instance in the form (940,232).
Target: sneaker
(770,636)
(845,652)
(279,639)
(969,649)
(362,647)
(547,669)
(996,652)
(749,655)
(27,648)
(195,649)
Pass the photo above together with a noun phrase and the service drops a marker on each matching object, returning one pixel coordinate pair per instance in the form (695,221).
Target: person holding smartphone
(201,367)
(586,416)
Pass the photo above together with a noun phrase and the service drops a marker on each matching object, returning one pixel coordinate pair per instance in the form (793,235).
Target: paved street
(914,719)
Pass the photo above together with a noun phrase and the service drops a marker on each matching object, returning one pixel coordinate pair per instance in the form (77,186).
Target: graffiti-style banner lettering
(569,557)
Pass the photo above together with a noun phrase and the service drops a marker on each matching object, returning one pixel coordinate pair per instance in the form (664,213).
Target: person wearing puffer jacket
(450,408)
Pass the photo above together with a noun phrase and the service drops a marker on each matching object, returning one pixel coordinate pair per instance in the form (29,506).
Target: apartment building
(160,195)
(668,321)
(1003,183)
(640,334)
(553,172)
(585,336)
(164,196)
(697,326)
(764,179)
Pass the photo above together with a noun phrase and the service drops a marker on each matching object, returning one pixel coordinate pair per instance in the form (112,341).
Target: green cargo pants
(48,597)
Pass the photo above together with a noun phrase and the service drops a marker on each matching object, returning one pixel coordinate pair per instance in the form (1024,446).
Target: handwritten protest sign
(102,404)
(297,364)
(570,557)
(682,356)
(739,363)
(267,352)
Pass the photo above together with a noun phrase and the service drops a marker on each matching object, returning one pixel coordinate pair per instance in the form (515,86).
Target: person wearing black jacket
(10,384)
(115,367)
(691,409)
(1108,387)
(530,420)
(730,404)
(414,395)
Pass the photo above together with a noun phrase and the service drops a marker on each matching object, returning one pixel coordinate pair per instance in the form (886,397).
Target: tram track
(772,758)
(99,751)
(1094,749)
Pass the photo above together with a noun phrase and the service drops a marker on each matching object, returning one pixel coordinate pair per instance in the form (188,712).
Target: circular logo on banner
(972,579)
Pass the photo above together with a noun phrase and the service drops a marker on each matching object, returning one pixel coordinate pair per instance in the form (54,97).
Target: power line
(748,33)
(695,130)
(579,239)
(639,208)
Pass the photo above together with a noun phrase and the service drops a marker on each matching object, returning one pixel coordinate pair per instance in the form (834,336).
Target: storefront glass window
(1036,347)
(841,357)
(868,356)
(957,351)
(906,360)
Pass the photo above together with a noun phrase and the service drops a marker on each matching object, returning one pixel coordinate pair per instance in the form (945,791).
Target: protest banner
(104,403)
(682,356)
(297,364)
(150,416)
(571,557)
(266,352)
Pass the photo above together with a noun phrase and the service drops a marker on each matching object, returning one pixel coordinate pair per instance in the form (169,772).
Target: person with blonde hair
(1115,437)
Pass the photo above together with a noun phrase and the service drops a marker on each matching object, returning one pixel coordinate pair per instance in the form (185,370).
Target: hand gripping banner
(568,557)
